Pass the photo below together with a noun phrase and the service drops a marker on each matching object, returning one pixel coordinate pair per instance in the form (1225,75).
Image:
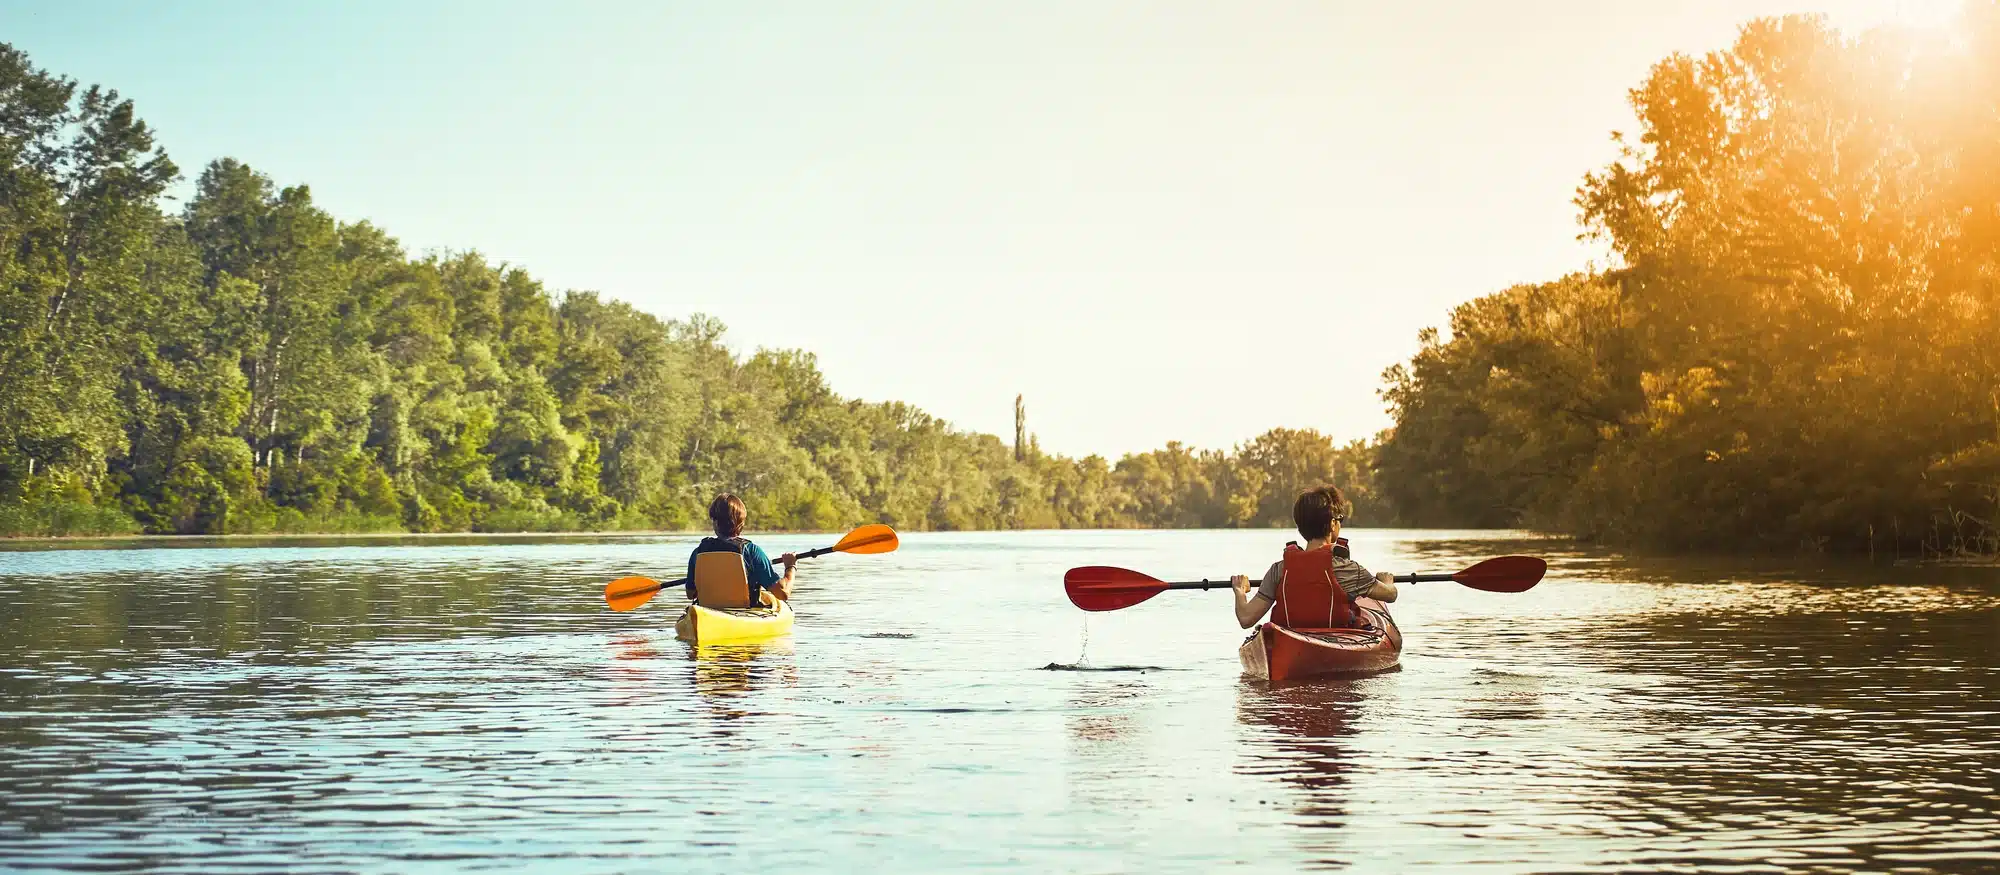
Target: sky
(1157,221)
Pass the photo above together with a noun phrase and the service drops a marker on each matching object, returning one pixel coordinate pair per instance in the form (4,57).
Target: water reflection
(1107,743)
(1099,717)
(726,671)
(1303,735)
(472,705)
(1303,744)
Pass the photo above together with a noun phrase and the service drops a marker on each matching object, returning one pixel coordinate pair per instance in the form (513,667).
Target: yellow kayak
(700,625)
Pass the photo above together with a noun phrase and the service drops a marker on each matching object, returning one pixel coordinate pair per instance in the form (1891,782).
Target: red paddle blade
(1505,574)
(1104,588)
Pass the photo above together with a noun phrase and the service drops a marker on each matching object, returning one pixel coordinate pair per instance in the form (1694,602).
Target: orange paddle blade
(1105,588)
(627,593)
(1505,574)
(875,538)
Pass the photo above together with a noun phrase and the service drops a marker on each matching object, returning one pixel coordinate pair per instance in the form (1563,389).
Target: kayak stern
(1275,653)
(702,625)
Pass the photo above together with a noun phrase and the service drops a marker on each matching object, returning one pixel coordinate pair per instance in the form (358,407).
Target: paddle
(627,593)
(1105,588)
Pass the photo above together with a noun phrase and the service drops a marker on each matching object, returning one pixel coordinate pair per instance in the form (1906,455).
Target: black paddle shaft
(1218,584)
(683,581)
(656,587)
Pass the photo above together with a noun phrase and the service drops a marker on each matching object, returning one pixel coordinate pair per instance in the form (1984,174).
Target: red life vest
(1308,595)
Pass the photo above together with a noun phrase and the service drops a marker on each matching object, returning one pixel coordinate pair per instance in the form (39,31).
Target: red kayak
(1275,653)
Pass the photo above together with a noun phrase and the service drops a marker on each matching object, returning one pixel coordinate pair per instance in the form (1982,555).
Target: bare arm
(1249,608)
(1384,589)
(783,588)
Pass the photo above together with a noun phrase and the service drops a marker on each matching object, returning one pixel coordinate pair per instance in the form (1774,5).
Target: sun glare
(1897,13)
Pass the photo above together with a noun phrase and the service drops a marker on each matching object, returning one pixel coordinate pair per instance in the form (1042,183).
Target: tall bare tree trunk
(1020,430)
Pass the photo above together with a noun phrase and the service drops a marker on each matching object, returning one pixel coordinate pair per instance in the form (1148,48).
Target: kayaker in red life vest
(726,512)
(1301,585)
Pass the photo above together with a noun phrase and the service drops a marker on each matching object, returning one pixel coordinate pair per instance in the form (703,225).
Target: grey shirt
(1353,578)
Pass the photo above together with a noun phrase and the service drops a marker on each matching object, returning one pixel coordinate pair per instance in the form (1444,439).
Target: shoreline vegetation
(141,537)
(1800,347)
(251,365)
(1799,350)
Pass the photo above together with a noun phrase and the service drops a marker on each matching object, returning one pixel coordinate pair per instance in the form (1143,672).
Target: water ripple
(467,704)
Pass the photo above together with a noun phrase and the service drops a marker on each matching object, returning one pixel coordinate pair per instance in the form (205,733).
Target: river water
(453,704)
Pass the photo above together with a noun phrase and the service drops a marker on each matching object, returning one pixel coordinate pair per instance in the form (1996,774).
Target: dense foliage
(1800,344)
(251,364)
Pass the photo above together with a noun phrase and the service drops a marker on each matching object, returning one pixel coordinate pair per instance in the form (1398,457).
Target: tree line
(249,364)
(1799,345)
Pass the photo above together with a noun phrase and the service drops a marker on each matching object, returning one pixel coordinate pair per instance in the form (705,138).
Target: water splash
(1083,663)
(1083,645)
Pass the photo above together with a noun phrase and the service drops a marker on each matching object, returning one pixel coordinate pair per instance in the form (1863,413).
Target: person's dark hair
(727,513)
(1316,510)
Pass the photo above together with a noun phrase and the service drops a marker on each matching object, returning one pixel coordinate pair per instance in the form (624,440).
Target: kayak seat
(722,581)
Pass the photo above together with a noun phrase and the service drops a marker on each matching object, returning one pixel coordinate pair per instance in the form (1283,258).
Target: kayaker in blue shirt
(726,512)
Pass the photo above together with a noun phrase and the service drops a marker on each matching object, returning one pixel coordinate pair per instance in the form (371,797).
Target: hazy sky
(1160,221)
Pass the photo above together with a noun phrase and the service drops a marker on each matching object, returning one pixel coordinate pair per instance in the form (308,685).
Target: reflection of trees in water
(1485,546)
(1578,561)
(237,609)
(1787,725)
(234,687)
(1833,723)
(1450,552)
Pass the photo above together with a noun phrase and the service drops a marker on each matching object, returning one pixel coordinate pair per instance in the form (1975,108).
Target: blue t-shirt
(756,565)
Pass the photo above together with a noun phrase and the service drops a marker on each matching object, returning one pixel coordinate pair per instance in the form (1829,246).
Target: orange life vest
(1308,595)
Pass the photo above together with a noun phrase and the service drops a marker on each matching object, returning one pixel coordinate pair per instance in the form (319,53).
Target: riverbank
(7,541)
(1751,562)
